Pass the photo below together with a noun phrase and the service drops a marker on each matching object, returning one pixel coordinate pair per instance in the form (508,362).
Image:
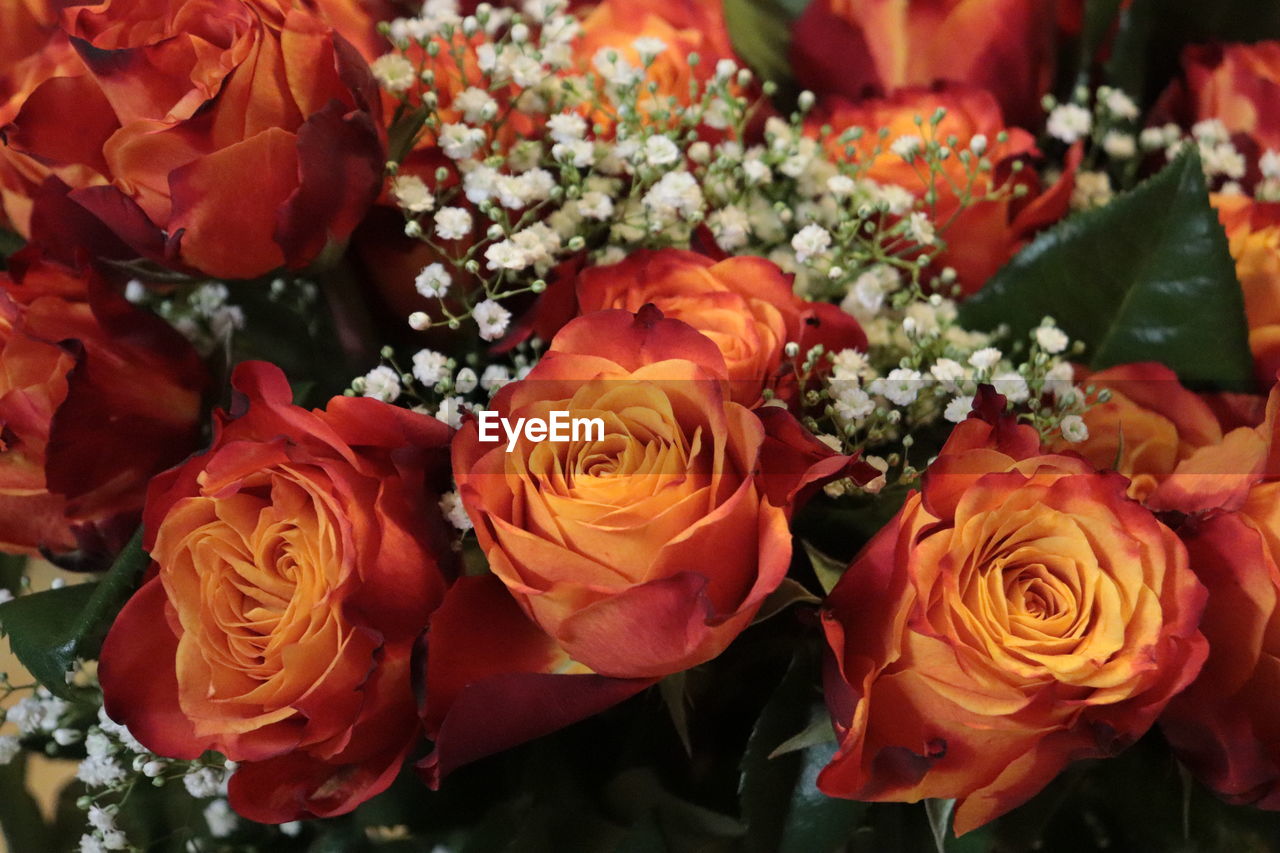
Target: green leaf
(781,805)
(789,592)
(1146,278)
(675,697)
(405,129)
(840,528)
(794,8)
(760,31)
(939,812)
(1188,789)
(637,793)
(9,243)
(20,818)
(1099,15)
(819,731)
(12,568)
(828,569)
(42,632)
(49,630)
(113,590)
(1127,67)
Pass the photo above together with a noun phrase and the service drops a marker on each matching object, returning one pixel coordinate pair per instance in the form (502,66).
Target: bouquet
(640,425)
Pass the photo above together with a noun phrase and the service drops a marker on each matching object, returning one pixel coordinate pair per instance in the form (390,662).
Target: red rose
(1253,234)
(1223,726)
(856,47)
(226,137)
(1148,427)
(602,538)
(494,679)
(96,396)
(32,49)
(598,552)
(1237,84)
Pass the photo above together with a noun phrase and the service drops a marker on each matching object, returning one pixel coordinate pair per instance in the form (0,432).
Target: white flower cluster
(438,385)
(1269,166)
(822,217)
(205,312)
(1223,163)
(1105,123)
(930,369)
(103,833)
(1107,118)
(603,160)
(114,760)
(606,162)
(609,162)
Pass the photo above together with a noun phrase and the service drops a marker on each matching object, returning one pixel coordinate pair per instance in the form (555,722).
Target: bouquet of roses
(640,425)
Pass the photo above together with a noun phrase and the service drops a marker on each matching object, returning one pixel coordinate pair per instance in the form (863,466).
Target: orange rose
(296,563)
(96,396)
(853,47)
(746,305)
(357,22)
(1180,451)
(180,107)
(1253,232)
(1238,84)
(981,237)
(683,26)
(32,49)
(1019,613)
(1150,424)
(604,541)
(494,678)
(1224,725)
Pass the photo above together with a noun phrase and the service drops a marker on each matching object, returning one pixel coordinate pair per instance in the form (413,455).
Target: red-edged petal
(340,157)
(207,191)
(831,56)
(299,785)
(794,464)
(139,677)
(490,683)
(634,340)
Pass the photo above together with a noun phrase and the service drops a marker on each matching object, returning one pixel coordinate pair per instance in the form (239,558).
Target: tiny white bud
(66,737)
(1074,429)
